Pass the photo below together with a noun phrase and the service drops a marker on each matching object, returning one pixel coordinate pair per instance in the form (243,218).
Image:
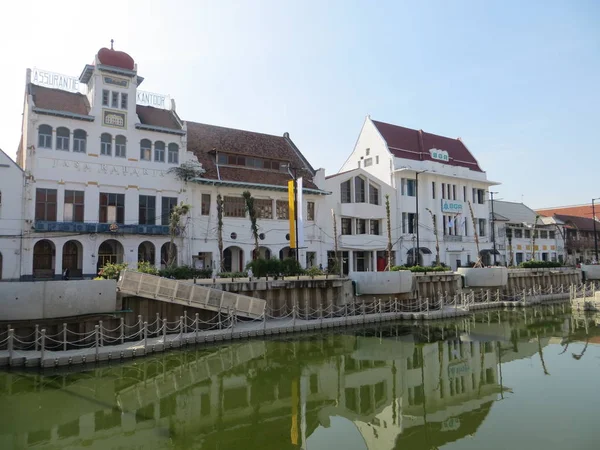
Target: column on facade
(350,261)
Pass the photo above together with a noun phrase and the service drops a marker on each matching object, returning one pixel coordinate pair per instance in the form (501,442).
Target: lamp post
(417,216)
(493,227)
(595,233)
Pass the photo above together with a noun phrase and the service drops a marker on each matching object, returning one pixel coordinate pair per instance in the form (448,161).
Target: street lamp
(417,215)
(595,233)
(493,227)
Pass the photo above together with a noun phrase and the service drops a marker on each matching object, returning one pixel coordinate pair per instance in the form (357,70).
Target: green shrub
(185,273)
(420,269)
(146,267)
(111,271)
(291,267)
(233,274)
(313,271)
(262,267)
(539,264)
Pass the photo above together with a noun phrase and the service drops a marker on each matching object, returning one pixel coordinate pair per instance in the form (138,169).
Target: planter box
(591,271)
(484,276)
(383,283)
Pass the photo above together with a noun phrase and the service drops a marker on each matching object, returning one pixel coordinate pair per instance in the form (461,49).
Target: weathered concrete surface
(484,276)
(591,272)
(399,282)
(52,299)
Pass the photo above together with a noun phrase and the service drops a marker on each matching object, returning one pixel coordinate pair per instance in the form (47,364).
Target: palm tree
(437,239)
(389,232)
(253,221)
(220,231)
(175,229)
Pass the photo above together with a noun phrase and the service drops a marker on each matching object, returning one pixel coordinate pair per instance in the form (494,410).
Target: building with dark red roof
(440,175)
(107,162)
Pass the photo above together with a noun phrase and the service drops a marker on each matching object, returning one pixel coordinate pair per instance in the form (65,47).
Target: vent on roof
(286,135)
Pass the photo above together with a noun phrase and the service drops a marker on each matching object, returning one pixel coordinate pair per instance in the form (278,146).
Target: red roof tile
(415,144)
(204,140)
(581,223)
(59,100)
(578,210)
(158,117)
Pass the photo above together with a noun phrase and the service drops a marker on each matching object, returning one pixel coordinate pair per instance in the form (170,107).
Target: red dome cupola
(114,58)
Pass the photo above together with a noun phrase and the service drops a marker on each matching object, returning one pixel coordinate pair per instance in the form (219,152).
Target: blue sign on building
(452,206)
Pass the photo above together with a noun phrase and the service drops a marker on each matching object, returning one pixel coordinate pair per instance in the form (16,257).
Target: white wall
(11,223)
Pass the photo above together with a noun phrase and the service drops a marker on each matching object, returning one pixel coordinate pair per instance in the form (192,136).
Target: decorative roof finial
(111,44)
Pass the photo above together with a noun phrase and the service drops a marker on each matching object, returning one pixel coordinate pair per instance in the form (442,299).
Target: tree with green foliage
(437,238)
(389,232)
(187,170)
(220,232)
(249,200)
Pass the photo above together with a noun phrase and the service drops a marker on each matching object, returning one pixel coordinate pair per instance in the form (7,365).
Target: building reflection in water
(400,387)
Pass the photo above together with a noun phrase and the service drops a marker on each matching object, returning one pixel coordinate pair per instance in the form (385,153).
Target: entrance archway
(43,259)
(110,251)
(165,252)
(72,258)
(233,258)
(147,252)
(287,252)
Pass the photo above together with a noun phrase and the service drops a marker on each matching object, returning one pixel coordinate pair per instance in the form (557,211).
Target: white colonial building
(11,218)
(442,177)
(358,200)
(519,228)
(97,153)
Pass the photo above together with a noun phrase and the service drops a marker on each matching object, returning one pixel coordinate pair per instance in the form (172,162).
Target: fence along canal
(144,337)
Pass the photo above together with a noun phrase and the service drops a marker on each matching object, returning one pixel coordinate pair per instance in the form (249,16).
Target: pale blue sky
(517,81)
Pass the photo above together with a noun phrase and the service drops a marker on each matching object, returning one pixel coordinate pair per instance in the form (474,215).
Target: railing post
(97,333)
(197,325)
(145,335)
(379,307)
(346,313)
(164,333)
(101,338)
(64,337)
(487,296)
(294,313)
(185,320)
(37,336)
(122,326)
(524,295)
(180,330)
(265,318)
(442,304)
(396,305)
(427,305)
(157,324)
(10,345)
(42,347)
(551,290)
(321,313)
(363,311)
(140,324)
(497,295)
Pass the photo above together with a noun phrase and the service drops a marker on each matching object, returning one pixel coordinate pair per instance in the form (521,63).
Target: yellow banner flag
(291,214)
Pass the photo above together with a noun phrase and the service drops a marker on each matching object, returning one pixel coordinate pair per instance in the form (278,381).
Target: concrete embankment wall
(54,299)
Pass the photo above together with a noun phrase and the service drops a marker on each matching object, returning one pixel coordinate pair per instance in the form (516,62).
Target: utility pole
(595,232)
(417,217)
(493,227)
(295,179)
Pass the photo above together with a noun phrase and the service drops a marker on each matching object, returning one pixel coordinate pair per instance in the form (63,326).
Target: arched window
(79,139)
(159,151)
(45,136)
(106,144)
(173,154)
(63,136)
(146,150)
(120,146)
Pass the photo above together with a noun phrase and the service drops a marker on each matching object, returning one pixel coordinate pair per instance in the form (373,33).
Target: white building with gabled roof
(443,177)
(12,180)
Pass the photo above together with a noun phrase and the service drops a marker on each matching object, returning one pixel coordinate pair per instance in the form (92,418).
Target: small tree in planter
(437,239)
(479,263)
(389,232)
(533,233)
(249,200)
(220,232)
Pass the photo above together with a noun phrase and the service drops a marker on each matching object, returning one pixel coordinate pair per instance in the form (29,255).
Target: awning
(489,251)
(424,250)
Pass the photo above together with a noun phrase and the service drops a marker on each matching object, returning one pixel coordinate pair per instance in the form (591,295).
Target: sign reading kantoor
(156,100)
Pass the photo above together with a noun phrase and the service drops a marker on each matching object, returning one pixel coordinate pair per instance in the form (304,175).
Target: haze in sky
(517,81)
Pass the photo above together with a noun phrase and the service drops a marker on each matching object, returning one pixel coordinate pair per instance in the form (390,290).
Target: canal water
(524,379)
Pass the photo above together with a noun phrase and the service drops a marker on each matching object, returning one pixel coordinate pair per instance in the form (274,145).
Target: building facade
(103,161)
(12,181)
(433,177)
(519,229)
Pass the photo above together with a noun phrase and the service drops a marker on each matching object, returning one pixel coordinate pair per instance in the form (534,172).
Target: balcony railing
(83,227)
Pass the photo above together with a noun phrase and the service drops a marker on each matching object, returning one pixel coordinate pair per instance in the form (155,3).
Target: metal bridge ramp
(186,293)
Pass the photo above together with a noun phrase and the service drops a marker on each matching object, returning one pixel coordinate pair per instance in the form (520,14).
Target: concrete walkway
(241,330)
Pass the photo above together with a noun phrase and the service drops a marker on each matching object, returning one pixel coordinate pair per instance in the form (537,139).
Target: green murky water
(510,380)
